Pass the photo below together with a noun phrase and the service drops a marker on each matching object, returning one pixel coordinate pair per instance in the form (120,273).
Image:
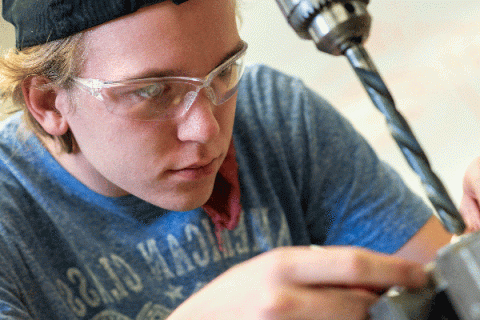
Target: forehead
(188,39)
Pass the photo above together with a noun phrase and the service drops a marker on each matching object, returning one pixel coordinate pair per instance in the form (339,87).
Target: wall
(428,53)
(7,34)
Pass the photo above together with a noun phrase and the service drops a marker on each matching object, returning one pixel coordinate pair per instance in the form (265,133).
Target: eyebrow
(154,73)
(233,52)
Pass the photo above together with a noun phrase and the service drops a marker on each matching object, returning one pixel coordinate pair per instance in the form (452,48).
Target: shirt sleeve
(17,286)
(12,301)
(348,195)
(364,201)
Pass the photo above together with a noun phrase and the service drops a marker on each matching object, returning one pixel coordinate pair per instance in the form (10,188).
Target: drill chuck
(332,25)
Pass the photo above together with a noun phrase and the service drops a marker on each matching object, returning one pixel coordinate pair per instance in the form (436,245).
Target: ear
(42,103)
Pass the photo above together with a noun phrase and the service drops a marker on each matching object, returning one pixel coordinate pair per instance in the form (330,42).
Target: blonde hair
(59,61)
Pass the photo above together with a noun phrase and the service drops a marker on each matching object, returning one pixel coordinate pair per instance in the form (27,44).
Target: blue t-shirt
(306,176)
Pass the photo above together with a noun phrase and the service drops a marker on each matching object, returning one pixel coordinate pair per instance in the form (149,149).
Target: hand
(301,283)
(469,207)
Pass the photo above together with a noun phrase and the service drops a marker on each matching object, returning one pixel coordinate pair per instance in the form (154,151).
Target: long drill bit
(340,27)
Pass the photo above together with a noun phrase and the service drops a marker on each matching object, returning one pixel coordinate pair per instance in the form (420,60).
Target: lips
(198,170)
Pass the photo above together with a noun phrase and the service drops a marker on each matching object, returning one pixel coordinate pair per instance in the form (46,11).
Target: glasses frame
(95,86)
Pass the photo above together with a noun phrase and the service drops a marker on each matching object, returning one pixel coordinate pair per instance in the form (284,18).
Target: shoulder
(269,95)
(277,102)
(19,160)
(257,72)
(9,129)
(261,81)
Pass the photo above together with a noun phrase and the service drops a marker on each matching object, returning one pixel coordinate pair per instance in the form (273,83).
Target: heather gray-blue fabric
(306,176)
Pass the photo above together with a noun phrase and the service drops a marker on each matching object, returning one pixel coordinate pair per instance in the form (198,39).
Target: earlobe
(42,102)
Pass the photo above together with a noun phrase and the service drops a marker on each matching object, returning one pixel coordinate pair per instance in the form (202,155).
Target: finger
(323,303)
(469,207)
(471,180)
(470,211)
(347,266)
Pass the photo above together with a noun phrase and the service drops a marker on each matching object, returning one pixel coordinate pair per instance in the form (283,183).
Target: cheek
(125,141)
(105,139)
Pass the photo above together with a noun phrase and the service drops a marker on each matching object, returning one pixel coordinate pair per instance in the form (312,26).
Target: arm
(301,283)
(282,284)
(422,247)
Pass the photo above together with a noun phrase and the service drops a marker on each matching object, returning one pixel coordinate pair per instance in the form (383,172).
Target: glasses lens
(168,98)
(225,82)
(147,100)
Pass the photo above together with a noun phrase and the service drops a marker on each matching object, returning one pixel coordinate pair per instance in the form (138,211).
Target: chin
(185,204)
(182,201)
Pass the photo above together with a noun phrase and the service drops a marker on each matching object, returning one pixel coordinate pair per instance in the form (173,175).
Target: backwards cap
(40,21)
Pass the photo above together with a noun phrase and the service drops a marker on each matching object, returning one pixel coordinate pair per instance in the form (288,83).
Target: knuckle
(277,299)
(278,303)
(279,263)
(357,267)
(404,273)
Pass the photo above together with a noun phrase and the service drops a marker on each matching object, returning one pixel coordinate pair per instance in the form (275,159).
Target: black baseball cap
(40,21)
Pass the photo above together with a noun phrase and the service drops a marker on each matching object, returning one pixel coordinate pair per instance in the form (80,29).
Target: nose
(199,123)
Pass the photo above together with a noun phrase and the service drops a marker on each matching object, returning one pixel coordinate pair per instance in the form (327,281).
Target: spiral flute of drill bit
(340,27)
(404,137)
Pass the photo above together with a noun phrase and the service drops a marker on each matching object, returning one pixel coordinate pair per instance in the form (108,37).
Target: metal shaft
(404,137)
(340,27)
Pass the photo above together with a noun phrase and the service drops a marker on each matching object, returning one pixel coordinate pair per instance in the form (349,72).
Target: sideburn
(68,142)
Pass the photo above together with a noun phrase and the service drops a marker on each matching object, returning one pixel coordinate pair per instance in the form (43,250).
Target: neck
(79,167)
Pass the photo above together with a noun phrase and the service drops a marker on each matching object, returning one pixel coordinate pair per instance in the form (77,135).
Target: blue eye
(150,90)
(225,73)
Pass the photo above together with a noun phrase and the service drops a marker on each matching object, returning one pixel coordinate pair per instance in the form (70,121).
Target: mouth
(197,171)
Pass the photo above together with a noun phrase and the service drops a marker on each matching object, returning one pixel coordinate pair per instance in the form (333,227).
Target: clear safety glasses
(166,97)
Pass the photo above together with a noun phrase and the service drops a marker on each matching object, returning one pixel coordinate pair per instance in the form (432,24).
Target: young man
(146,148)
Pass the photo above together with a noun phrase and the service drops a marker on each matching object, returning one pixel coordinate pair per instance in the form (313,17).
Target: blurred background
(428,53)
